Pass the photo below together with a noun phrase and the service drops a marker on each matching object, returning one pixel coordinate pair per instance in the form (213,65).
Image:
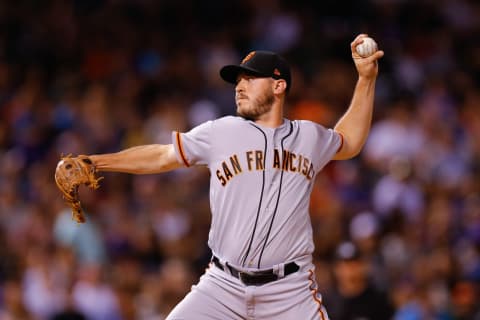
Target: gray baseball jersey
(260,185)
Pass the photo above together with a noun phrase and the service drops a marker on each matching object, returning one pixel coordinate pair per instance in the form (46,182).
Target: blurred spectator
(148,301)
(93,295)
(395,135)
(275,29)
(175,280)
(354,296)
(397,191)
(12,307)
(45,285)
(464,305)
(69,315)
(68,312)
(85,241)
(409,302)
(365,233)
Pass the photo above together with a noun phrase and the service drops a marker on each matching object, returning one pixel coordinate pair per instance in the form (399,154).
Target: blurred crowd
(96,76)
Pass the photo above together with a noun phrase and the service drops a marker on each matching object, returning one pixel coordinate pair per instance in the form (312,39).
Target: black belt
(256,278)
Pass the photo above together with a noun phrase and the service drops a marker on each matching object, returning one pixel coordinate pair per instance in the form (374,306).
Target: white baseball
(367,47)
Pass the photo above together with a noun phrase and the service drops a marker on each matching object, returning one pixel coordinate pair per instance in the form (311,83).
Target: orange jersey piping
(180,149)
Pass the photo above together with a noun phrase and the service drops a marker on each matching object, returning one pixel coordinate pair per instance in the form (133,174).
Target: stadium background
(91,76)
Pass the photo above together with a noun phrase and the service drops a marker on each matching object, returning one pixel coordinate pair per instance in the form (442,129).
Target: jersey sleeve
(329,144)
(194,146)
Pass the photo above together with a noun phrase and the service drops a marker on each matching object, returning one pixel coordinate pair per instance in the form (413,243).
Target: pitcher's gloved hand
(71,172)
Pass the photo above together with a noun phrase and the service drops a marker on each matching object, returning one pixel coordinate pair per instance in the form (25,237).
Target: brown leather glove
(71,172)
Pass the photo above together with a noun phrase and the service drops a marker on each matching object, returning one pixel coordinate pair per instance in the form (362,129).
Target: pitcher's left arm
(354,125)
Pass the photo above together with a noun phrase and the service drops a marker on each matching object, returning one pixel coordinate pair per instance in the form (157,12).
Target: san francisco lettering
(254,160)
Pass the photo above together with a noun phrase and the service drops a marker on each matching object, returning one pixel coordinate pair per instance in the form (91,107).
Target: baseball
(367,47)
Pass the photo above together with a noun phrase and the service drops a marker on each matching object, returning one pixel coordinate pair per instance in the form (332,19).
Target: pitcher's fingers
(358,39)
(375,56)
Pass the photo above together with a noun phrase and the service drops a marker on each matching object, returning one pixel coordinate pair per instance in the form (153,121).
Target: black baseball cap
(261,64)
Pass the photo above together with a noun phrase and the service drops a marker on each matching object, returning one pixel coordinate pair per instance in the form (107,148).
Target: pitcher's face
(254,96)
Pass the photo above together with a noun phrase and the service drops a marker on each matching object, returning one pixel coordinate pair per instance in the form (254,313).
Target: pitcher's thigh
(197,305)
(295,297)
(308,310)
(209,300)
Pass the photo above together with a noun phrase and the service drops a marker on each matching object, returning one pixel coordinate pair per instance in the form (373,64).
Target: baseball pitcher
(262,167)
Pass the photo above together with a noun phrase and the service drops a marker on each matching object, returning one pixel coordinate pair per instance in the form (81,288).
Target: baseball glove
(71,172)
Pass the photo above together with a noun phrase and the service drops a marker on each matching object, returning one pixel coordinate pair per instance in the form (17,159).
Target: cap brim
(230,73)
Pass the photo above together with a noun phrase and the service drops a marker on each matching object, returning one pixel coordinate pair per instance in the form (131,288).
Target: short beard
(262,104)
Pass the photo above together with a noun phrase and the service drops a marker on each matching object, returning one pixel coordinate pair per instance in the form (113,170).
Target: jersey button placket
(275,147)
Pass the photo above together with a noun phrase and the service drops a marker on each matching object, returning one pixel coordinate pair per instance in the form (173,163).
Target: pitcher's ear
(280,86)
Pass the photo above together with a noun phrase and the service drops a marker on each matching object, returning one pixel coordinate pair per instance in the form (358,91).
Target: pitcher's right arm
(145,159)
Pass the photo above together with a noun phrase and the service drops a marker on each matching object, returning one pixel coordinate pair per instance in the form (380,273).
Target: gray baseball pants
(220,296)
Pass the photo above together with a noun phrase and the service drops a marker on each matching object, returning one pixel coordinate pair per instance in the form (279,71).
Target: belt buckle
(245,277)
(256,279)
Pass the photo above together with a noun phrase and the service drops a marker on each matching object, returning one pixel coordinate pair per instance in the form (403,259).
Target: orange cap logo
(248,57)
(276,72)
